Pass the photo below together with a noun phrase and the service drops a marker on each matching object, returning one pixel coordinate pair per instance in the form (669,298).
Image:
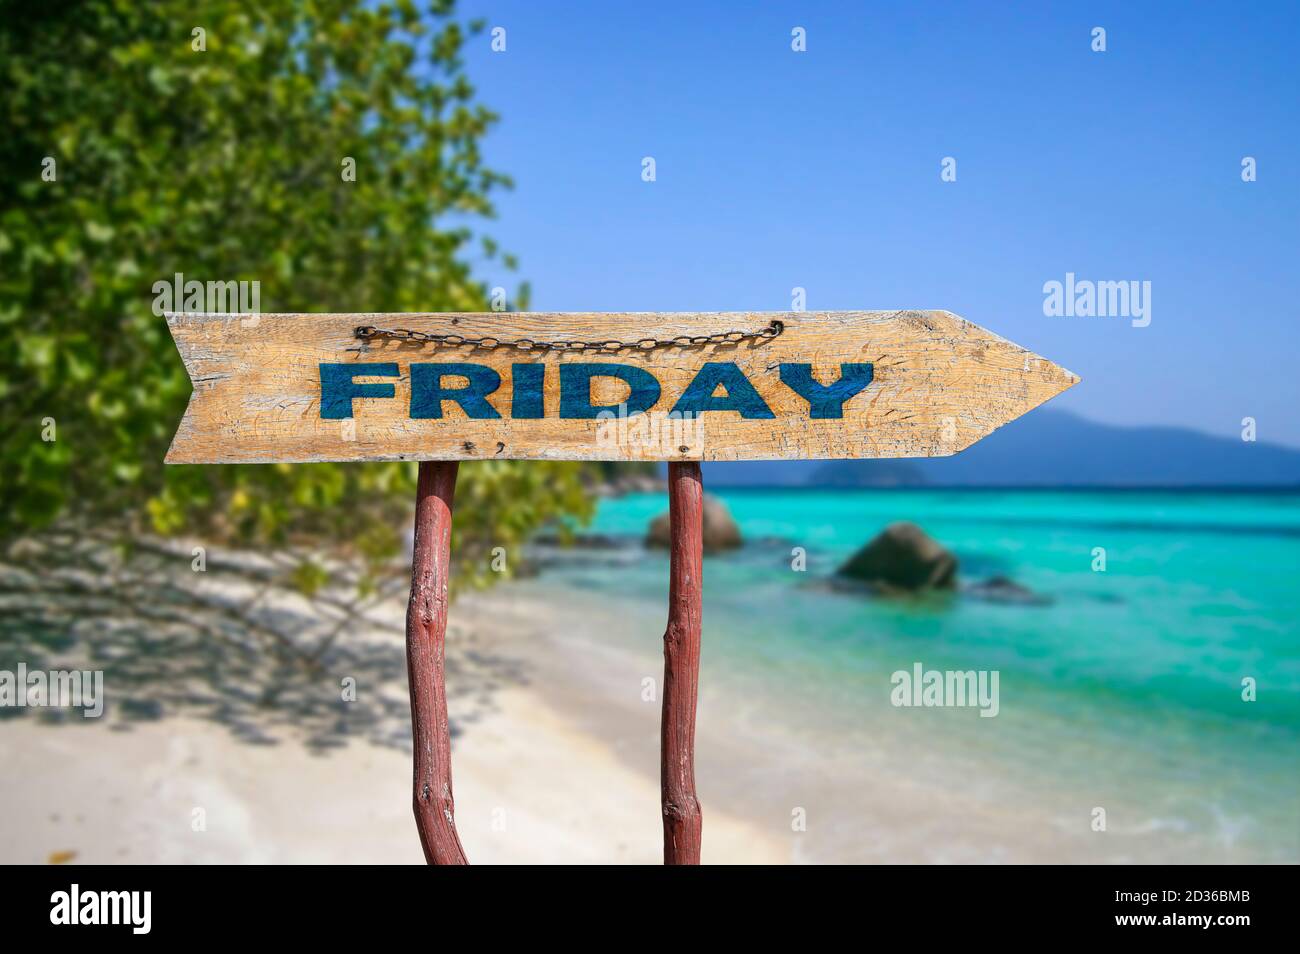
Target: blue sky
(821,169)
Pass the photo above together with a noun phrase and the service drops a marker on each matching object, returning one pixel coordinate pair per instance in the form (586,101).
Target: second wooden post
(681,807)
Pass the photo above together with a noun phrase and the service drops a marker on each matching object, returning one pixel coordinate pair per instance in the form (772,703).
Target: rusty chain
(370,332)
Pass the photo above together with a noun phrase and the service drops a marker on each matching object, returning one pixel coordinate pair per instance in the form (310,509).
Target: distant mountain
(882,473)
(1047,448)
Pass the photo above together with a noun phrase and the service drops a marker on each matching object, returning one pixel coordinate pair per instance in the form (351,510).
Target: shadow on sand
(233,642)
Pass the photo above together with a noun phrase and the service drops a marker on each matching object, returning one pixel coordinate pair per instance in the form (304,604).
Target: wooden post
(681,807)
(426,627)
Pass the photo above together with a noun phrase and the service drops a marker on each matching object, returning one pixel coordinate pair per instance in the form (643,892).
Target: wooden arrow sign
(627,386)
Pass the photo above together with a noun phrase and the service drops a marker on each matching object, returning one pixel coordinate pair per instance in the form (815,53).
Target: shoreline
(900,788)
(553,696)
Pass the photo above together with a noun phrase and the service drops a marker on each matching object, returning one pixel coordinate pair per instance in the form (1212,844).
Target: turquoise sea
(1124,691)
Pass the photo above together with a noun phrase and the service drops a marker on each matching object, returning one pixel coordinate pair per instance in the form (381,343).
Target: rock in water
(720,529)
(903,557)
(1002,589)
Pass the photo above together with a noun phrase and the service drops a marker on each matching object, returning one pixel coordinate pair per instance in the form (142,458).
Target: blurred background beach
(1142,532)
(1119,690)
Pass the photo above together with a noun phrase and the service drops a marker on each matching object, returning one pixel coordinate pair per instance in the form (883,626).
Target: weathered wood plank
(937,384)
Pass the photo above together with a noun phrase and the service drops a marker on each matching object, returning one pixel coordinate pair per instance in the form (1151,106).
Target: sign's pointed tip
(1066,378)
(1057,379)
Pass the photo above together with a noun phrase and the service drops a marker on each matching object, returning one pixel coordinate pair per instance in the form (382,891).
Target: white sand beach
(529,789)
(212,751)
(531,785)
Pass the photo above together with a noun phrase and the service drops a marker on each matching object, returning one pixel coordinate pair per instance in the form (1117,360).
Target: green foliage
(225,164)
